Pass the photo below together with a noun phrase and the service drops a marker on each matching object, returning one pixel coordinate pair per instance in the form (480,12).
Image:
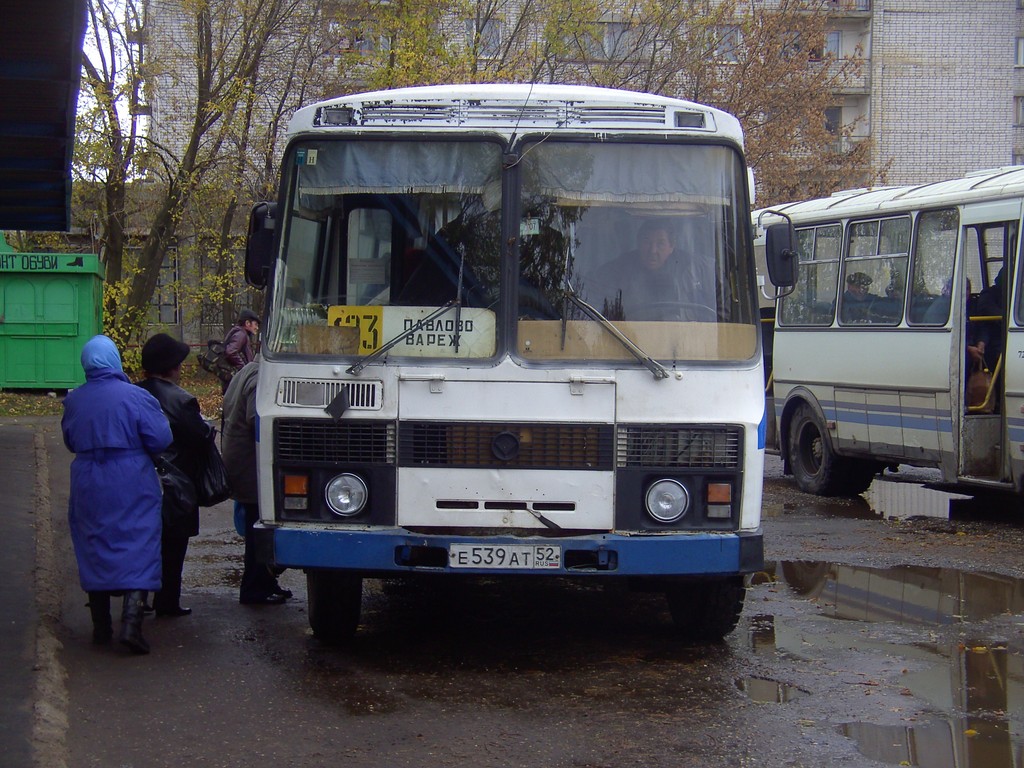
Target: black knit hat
(246,315)
(162,353)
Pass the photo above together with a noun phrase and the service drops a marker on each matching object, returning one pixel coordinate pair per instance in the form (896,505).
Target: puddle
(977,683)
(765,691)
(905,594)
(761,633)
(959,743)
(902,500)
(856,508)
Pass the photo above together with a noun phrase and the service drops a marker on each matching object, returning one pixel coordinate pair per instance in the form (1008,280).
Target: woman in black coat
(162,357)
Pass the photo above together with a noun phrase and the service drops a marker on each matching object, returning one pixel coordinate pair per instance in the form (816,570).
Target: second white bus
(870,359)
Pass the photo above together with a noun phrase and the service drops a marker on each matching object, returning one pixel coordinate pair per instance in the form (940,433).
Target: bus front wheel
(815,465)
(706,611)
(334,604)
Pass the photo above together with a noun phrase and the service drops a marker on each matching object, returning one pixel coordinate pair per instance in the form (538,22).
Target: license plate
(505,556)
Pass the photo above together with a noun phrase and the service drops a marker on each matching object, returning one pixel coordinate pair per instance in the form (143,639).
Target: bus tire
(706,611)
(334,604)
(814,464)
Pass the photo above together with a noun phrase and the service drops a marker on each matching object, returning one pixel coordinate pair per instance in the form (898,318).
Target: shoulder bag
(212,484)
(179,508)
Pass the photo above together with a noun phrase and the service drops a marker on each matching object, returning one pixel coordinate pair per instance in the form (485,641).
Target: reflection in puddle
(903,500)
(983,686)
(765,691)
(904,594)
(977,680)
(959,743)
(886,499)
(761,632)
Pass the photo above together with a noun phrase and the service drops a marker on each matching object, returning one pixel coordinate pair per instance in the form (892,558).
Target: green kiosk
(50,305)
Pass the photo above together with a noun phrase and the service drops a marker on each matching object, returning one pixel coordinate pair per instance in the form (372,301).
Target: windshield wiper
(356,367)
(370,357)
(649,362)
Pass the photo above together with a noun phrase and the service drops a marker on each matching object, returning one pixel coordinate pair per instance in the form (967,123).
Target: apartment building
(943,86)
(941,92)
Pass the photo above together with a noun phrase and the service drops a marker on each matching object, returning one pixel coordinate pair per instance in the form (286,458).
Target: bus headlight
(667,500)
(346,495)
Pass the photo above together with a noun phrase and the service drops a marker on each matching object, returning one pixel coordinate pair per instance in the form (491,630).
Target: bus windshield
(649,235)
(378,235)
(382,234)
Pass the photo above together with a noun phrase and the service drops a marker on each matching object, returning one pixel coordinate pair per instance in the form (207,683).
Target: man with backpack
(238,344)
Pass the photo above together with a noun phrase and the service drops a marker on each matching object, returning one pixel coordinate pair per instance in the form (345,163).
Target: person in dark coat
(259,584)
(238,344)
(114,429)
(162,357)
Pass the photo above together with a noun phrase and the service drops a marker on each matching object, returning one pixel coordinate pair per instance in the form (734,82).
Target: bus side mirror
(779,254)
(259,245)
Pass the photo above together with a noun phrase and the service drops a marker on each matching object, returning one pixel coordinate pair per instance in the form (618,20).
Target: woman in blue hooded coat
(114,428)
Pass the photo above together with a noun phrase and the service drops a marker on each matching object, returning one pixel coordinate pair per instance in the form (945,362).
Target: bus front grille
(650,445)
(504,444)
(321,440)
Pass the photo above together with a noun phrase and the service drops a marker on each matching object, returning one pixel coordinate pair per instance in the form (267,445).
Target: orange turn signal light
(719,493)
(296,485)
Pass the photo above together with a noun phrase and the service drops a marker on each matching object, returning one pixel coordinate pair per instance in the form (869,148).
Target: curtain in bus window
(813,300)
(932,278)
(338,168)
(630,173)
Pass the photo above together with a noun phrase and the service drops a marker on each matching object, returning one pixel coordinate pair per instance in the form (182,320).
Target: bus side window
(932,277)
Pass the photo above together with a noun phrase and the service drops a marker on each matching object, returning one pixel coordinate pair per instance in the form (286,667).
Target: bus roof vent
(616,114)
(538,113)
(314,393)
(392,113)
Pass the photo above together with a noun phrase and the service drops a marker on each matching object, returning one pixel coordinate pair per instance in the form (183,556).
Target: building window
(833,43)
(833,120)
(352,38)
(487,37)
(830,48)
(165,298)
(1018,110)
(727,44)
(608,40)
(1020,52)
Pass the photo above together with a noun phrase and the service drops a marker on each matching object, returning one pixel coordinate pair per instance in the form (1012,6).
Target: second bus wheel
(334,603)
(816,467)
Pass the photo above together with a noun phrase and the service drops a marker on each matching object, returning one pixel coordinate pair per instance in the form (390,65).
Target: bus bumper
(394,551)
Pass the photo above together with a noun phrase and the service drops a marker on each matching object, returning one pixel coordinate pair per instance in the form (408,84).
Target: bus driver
(653,282)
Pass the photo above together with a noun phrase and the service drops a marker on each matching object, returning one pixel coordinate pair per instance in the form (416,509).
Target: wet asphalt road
(867,641)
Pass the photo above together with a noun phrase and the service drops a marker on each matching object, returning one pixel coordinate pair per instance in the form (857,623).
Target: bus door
(989,242)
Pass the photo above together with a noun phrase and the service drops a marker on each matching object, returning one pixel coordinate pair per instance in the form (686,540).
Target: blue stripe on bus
(762,429)
(365,551)
(892,416)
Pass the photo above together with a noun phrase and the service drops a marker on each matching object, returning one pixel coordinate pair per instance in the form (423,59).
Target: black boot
(102,626)
(131,621)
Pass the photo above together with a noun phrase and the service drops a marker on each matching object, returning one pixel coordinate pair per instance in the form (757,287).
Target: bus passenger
(985,337)
(856,298)
(653,282)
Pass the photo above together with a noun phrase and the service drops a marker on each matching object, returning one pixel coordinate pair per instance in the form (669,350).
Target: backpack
(214,359)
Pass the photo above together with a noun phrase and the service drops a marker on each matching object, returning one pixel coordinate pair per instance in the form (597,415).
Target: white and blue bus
(456,375)
(875,347)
